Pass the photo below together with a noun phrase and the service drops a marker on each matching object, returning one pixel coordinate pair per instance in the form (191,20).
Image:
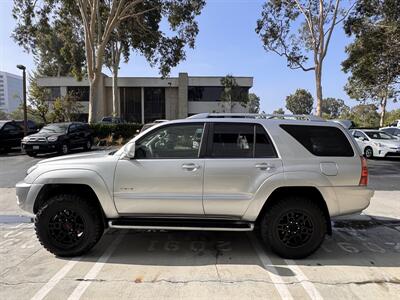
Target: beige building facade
(145,99)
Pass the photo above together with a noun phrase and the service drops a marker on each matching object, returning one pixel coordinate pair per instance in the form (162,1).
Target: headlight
(25,139)
(31,169)
(378,144)
(52,138)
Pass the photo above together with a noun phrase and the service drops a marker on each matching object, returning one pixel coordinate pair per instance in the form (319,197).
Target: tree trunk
(318,79)
(383,111)
(93,96)
(115,111)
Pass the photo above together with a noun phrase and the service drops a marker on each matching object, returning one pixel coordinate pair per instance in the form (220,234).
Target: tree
(100,19)
(301,102)
(232,93)
(56,41)
(65,108)
(254,103)
(38,101)
(374,56)
(365,115)
(332,108)
(278,111)
(392,116)
(3,115)
(299,30)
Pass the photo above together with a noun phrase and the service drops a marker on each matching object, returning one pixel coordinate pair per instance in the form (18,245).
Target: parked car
(395,124)
(394,131)
(286,178)
(58,137)
(376,143)
(111,120)
(11,134)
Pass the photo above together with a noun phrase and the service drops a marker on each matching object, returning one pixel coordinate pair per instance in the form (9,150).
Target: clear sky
(226,44)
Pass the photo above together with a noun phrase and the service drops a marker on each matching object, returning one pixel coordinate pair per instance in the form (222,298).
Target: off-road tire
(64,149)
(274,234)
(88,145)
(89,215)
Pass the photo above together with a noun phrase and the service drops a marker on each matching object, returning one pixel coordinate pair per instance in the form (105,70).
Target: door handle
(190,167)
(265,167)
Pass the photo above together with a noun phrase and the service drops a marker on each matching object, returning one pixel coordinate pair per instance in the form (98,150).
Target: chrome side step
(168,224)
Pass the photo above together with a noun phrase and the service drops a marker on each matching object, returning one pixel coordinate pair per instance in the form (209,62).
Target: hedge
(125,130)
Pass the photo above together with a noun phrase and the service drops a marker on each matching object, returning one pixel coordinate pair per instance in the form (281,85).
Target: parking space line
(308,286)
(94,271)
(55,279)
(279,284)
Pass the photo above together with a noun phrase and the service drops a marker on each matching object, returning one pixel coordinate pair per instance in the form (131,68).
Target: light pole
(23,68)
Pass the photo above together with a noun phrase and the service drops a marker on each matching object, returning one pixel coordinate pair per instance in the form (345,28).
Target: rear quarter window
(321,140)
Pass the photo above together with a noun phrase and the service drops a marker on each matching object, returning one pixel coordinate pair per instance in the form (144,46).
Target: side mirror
(129,150)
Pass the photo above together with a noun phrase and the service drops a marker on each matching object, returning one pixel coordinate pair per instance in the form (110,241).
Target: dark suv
(58,137)
(12,132)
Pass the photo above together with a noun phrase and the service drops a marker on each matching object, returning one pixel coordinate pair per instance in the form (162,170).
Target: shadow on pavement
(353,243)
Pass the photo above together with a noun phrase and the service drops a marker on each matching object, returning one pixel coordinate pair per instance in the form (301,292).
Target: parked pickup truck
(285,176)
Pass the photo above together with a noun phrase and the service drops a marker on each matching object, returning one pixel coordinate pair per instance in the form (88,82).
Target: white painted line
(55,279)
(279,284)
(304,281)
(91,275)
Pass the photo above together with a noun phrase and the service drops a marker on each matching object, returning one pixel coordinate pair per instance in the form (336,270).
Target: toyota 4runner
(285,176)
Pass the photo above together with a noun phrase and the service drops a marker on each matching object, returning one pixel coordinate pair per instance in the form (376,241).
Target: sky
(226,44)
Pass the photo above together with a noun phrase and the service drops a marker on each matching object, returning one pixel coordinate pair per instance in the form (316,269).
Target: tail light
(364,172)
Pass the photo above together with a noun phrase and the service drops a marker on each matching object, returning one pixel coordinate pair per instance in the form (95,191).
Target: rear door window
(321,140)
(239,140)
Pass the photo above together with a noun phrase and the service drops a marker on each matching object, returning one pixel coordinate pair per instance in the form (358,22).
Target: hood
(75,158)
(44,134)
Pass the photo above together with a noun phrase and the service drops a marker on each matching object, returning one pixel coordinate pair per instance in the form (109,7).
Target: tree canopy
(332,108)
(374,56)
(301,102)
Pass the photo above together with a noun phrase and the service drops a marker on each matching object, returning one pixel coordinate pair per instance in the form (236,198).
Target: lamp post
(23,68)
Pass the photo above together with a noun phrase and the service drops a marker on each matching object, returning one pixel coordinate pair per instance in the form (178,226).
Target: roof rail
(256,116)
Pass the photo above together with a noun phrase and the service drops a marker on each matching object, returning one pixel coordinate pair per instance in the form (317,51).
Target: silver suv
(283,176)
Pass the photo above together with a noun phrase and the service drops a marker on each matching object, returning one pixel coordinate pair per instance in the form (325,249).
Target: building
(145,99)
(10,91)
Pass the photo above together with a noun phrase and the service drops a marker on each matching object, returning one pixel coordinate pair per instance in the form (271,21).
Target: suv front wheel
(68,225)
(294,227)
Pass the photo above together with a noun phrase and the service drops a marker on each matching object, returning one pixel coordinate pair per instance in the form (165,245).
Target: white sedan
(376,143)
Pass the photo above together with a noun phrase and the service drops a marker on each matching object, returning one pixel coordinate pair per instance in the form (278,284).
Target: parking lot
(360,261)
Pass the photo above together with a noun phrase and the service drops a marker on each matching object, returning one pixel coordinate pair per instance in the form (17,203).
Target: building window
(154,104)
(131,104)
(80,92)
(54,93)
(213,93)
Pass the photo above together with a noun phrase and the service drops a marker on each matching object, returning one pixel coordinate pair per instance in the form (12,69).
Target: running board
(169,224)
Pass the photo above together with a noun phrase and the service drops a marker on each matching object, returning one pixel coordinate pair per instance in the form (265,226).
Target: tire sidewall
(57,204)
(270,233)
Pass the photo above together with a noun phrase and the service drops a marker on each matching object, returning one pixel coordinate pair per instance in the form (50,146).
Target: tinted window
(376,135)
(154,104)
(175,141)
(214,93)
(321,140)
(235,140)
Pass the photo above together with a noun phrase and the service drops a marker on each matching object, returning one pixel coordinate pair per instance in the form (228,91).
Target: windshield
(2,124)
(376,135)
(55,128)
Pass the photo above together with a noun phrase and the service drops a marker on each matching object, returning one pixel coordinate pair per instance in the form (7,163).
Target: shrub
(124,131)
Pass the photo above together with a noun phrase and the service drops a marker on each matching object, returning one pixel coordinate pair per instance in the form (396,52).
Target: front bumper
(385,151)
(26,195)
(40,147)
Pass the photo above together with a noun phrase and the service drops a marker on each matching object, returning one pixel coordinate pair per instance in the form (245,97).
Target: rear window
(321,140)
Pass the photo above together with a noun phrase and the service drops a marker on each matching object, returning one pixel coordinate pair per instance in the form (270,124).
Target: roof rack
(256,116)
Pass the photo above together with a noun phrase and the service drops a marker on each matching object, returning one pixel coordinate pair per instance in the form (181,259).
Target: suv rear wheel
(68,225)
(294,227)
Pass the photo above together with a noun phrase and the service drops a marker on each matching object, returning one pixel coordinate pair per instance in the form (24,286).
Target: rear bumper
(352,199)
